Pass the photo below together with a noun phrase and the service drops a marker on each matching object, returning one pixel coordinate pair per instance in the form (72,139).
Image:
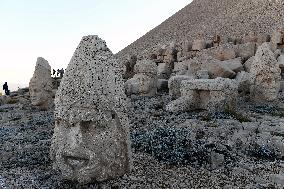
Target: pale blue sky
(53,28)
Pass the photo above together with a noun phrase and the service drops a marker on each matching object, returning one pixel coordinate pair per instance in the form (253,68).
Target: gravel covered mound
(169,150)
(223,17)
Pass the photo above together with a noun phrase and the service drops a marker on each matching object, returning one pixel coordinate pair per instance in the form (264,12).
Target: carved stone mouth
(76,162)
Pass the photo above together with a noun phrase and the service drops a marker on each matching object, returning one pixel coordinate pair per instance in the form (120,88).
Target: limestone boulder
(234,64)
(265,76)
(243,81)
(129,67)
(281,62)
(40,86)
(91,135)
(276,39)
(164,70)
(171,54)
(202,74)
(248,63)
(144,82)
(214,67)
(162,85)
(181,68)
(174,85)
(213,95)
(245,51)
(198,45)
(225,54)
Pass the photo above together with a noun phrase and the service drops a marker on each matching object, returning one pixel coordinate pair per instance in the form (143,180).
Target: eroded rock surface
(265,76)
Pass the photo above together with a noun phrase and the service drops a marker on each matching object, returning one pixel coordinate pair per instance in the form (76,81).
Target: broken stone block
(243,80)
(174,85)
(262,38)
(250,38)
(198,45)
(162,85)
(212,95)
(202,74)
(180,68)
(246,50)
(265,76)
(225,54)
(215,67)
(129,67)
(248,63)
(276,39)
(277,179)
(171,54)
(234,64)
(91,135)
(281,62)
(144,82)
(164,70)
(40,86)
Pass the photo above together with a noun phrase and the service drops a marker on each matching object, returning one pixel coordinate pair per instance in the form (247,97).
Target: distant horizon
(53,29)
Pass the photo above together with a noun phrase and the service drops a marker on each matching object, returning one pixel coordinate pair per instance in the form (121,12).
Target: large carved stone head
(40,86)
(91,138)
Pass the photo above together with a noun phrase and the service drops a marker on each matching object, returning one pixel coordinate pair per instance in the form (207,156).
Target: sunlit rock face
(91,138)
(40,85)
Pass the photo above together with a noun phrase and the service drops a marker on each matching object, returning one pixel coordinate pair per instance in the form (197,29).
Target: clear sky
(53,28)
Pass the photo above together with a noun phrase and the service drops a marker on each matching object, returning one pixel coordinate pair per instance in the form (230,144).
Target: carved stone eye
(86,124)
(113,115)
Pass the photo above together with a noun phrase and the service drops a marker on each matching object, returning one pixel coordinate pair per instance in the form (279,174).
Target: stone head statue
(91,138)
(40,85)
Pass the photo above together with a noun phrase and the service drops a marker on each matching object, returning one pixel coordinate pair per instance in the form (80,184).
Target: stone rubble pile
(253,63)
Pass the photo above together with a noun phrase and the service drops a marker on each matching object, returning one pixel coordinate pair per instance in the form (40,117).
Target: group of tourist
(58,73)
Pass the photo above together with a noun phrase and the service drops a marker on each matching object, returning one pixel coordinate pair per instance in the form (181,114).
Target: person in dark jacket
(6,88)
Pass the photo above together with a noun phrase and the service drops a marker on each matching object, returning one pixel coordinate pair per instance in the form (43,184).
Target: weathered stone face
(144,82)
(40,85)
(91,138)
(91,150)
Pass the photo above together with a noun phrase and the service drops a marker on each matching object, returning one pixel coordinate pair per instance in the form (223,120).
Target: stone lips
(226,18)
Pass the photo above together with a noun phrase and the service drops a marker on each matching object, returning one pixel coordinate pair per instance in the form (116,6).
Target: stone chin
(85,169)
(77,168)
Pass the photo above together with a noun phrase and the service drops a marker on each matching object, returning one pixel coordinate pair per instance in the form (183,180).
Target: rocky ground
(181,150)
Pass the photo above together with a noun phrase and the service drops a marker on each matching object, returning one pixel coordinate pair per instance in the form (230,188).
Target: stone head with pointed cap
(91,138)
(40,85)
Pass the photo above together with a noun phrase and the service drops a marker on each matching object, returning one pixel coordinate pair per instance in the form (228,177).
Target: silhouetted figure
(61,72)
(6,89)
(53,72)
(58,72)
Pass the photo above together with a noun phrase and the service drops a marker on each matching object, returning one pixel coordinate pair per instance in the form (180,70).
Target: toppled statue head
(40,86)
(91,138)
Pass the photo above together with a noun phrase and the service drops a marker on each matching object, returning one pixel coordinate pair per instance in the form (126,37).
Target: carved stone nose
(75,137)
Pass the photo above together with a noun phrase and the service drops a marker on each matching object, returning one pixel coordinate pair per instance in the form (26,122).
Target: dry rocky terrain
(170,150)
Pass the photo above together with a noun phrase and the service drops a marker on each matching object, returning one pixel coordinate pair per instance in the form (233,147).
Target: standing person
(53,72)
(6,88)
(58,72)
(61,72)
